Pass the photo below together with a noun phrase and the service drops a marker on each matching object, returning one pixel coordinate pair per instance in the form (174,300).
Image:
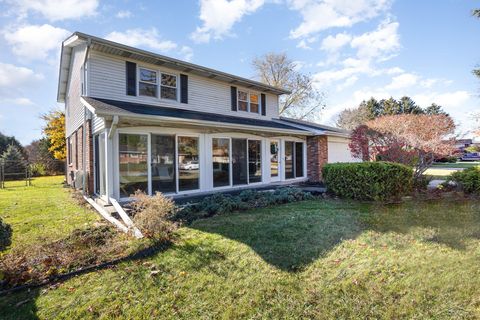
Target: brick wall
(317,157)
(76,149)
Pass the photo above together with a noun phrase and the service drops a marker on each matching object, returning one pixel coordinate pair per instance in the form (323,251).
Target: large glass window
(133,163)
(239,161)
(188,164)
(221,162)
(274,159)
(289,168)
(168,86)
(163,164)
(298,159)
(147,83)
(254,161)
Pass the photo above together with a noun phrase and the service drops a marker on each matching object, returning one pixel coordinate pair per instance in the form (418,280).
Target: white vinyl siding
(108,78)
(98,124)
(74,108)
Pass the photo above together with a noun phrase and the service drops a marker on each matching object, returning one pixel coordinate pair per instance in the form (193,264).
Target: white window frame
(259,102)
(230,163)
(146,82)
(248,101)
(161,85)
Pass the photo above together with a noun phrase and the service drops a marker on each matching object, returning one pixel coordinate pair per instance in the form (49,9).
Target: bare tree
(305,101)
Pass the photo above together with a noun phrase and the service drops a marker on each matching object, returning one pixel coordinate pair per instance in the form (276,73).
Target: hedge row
(368,180)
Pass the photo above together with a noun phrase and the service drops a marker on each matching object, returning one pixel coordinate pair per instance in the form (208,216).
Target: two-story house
(139,120)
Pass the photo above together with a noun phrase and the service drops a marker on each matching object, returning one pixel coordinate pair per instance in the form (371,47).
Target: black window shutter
(131,78)
(264,104)
(233,91)
(183,88)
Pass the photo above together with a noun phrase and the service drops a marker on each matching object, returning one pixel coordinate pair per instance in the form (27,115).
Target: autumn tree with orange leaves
(413,140)
(54,129)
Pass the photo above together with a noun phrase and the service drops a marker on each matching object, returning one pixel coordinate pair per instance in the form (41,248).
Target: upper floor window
(242,100)
(147,83)
(168,89)
(248,101)
(254,103)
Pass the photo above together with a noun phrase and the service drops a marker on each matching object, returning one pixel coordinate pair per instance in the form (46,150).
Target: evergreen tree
(435,109)
(14,163)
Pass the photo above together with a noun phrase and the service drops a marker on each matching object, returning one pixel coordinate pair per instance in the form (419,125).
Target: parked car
(475,156)
(190,165)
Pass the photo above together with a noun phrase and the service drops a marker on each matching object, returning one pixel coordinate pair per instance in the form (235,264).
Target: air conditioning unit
(78,179)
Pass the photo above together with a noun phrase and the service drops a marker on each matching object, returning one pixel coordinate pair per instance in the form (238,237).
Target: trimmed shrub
(368,180)
(152,215)
(467,179)
(5,235)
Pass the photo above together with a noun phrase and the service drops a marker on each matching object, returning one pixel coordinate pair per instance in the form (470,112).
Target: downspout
(84,131)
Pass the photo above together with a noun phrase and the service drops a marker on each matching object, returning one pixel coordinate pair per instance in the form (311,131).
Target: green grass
(322,259)
(465,164)
(41,212)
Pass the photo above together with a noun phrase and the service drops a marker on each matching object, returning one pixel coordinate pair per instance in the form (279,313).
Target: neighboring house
(139,120)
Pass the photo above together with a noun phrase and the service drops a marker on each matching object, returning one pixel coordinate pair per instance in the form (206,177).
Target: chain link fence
(13,171)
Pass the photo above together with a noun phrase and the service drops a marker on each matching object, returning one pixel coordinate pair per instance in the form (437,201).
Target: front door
(274,160)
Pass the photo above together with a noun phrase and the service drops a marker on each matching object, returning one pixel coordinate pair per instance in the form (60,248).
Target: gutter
(84,131)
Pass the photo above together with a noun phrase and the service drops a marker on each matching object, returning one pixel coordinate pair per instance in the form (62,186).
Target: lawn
(41,212)
(318,259)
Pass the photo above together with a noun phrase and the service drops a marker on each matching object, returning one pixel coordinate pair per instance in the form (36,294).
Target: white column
(108,164)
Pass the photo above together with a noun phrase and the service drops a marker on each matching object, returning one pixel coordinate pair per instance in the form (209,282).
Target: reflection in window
(254,161)
(298,159)
(239,161)
(147,84)
(163,163)
(221,162)
(242,100)
(254,103)
(188,164)
(289,168)
(168,87)
(274,158)
(133,163)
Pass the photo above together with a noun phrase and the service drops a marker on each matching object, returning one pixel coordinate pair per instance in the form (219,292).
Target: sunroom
(184,156)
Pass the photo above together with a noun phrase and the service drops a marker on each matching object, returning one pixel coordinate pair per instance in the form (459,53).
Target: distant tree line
(371,109)
(44,156)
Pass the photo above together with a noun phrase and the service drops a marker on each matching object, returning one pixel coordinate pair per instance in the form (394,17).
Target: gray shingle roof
(115,107)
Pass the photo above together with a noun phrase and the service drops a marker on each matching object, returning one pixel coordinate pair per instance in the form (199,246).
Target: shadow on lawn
(19,303)
(292,236)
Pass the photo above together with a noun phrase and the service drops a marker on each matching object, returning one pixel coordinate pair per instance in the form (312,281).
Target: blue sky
(353,49)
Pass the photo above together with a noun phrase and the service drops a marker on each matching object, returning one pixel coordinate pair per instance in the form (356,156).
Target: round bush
(368,180)
(468,180)
(5,235)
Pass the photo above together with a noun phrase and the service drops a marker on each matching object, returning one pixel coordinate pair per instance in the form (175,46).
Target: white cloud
(402,81)
(348,83)
(319,15)
(55,10)
(13,77)
(219,16)
(34,42)
(123,14)
(371,48)
(380,44)
(449,100)
(142,38)
(187,53)
(17,101)
(334,43)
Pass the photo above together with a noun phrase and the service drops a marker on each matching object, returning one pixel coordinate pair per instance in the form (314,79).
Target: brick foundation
(317,157)
(75,155)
